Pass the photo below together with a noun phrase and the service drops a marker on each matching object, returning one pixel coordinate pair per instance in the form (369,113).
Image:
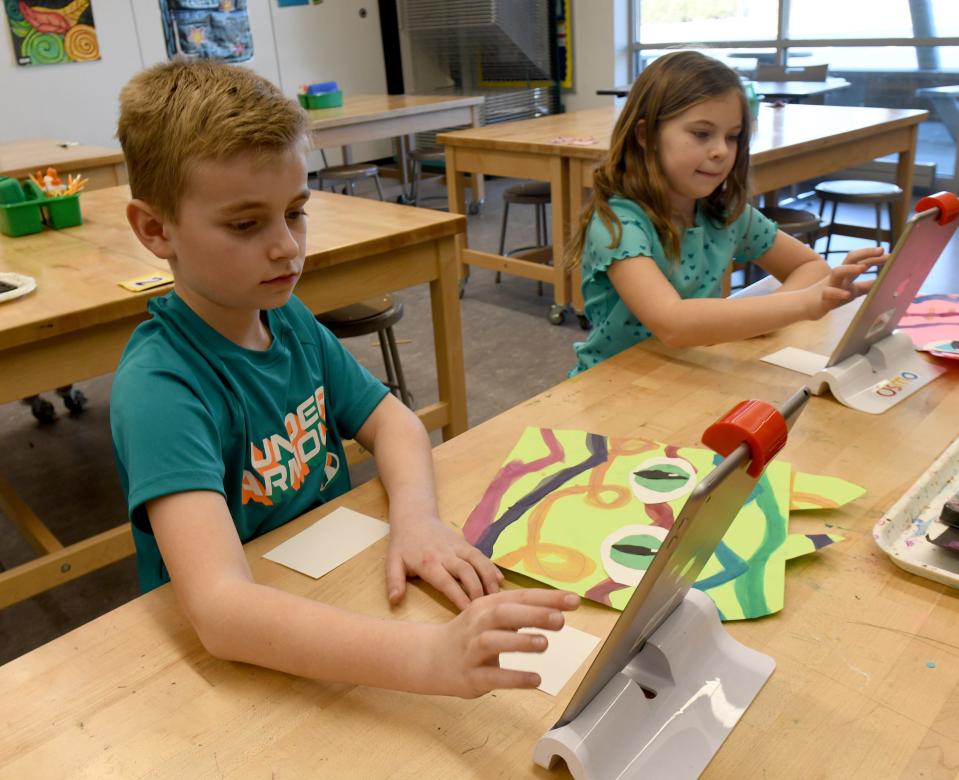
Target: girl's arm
(420,543)
(239,620)
(795,264)
(701,321)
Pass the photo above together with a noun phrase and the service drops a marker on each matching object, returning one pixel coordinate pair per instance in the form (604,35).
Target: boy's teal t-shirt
(706,250)
(191,410)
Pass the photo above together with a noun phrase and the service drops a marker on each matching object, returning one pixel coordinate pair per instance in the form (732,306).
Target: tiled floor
(65,471)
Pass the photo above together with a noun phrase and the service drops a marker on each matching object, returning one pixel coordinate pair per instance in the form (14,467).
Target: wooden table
(790,144)
(134,693)
(77,322)
(375,117)
(794,91)
(103,167)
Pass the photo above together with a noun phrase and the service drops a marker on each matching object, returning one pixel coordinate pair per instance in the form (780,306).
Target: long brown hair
(666,87)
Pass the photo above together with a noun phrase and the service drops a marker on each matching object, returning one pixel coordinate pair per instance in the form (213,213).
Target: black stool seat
(351,171)
(858,191)
(534,193)
(425,155)
(374,315)
(794,222)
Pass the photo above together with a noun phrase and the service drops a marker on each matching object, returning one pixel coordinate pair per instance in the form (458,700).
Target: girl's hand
(466,649)
(840,286)
(438,555)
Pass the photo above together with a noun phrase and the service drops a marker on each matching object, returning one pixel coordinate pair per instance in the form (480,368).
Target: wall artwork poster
(50,32)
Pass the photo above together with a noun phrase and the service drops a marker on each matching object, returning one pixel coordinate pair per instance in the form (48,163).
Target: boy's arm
(420,543)
(237,619)
(679,322)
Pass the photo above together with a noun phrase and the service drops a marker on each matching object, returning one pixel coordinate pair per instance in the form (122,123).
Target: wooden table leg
(559,198)
(448,337)
(904,170)
(477,181)
(577,198)
(456,192)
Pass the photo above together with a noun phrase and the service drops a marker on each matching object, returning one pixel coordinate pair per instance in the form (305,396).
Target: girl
(669,213)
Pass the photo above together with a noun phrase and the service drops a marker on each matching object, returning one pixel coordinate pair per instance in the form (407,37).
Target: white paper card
(329,542)
(568,649)
(800,360)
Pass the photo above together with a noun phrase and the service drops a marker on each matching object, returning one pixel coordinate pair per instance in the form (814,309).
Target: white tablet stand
(888,372)
(670,708)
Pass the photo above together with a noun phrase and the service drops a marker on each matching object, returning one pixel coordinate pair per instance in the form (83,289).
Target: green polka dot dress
(706,251)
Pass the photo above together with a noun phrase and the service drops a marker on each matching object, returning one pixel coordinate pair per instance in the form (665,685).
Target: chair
(376,315)
(349,173)
(856,191)
(534,193)
(769,72)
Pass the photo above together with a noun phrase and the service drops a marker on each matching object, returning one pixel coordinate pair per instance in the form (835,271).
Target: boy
(230,405)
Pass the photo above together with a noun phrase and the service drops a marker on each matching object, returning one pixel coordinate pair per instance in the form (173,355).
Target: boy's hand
(841,286)
(466,653)
(438,555)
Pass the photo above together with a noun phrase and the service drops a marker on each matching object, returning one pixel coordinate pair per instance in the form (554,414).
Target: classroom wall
(291,46)
(600,51)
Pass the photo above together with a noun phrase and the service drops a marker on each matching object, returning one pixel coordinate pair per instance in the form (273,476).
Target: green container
(11,191)
(35,209)
(324,100)
(63,212)
(21,219)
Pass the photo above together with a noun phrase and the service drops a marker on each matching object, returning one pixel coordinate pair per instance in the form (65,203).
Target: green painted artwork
(587,513)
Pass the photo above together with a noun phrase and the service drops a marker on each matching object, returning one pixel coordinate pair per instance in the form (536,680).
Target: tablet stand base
(890,371)
(701,681)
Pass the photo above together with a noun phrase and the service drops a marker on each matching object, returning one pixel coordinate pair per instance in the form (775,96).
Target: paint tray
(901,533)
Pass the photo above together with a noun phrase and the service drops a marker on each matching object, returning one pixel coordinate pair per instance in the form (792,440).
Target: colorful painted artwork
(932,321)
(48,32)
(587,513)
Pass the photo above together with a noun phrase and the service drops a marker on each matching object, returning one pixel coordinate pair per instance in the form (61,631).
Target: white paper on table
(330,541)
(800,360)
(568,649)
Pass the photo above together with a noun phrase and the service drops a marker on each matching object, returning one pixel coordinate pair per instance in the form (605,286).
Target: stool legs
(379,187)
(417,173)
(394,369)
(502,236)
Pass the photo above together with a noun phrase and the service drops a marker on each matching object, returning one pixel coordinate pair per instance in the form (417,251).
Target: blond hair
(668,86)
(183,111)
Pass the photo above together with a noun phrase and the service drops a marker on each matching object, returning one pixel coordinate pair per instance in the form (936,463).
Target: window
(892,52)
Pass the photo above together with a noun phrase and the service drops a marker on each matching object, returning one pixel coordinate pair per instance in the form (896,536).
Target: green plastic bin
(21,219)
(324,100)
(60,212)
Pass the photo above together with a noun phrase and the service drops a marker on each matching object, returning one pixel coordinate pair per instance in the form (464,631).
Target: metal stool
(856,191)
(534,193)
(376,315)
(803,225)
(349,173)
(418,157)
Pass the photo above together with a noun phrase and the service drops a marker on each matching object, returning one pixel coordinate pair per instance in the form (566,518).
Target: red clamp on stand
(946,202)
(757,424)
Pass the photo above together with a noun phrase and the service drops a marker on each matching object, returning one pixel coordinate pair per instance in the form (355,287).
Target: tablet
(922,241)
(705,517)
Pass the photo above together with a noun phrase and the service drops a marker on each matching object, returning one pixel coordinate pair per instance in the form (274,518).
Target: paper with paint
(819,491)
(327,543)
(932,322)
(587,513)
(567,651)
